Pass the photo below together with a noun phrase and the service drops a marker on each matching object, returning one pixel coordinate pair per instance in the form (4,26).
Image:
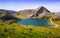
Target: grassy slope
(20,16)
(47,16)
(20,31)
(57,21)
(24,14)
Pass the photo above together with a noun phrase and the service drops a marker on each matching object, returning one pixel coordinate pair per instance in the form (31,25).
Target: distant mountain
(11,11)
(6,15)
(32,13)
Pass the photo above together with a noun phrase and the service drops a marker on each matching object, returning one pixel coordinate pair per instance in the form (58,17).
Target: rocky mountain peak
(40,11)
(41,8)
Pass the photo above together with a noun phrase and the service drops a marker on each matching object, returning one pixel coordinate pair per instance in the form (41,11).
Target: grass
(47,16)
(24,14)
(21,16)
(57,21)
(15,30)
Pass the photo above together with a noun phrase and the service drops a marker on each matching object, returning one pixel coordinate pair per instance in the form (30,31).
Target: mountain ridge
(6,15)
(27,13)
(32,13)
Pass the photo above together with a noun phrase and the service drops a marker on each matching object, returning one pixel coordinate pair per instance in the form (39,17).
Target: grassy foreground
(20,31)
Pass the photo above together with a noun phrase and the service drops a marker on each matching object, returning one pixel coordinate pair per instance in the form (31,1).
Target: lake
(34,22)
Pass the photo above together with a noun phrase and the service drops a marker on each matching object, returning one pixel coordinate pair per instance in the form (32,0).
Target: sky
(17,5)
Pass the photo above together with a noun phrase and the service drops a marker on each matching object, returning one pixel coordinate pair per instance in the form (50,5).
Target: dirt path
(55,25)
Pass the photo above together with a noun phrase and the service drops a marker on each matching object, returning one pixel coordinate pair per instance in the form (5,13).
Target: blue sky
(17,5)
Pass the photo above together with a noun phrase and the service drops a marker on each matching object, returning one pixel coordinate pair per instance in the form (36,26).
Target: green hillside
(15,30)
(57,21)
(47,16)
(24,14)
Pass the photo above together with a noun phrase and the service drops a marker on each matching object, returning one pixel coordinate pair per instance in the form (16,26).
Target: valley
(29,23)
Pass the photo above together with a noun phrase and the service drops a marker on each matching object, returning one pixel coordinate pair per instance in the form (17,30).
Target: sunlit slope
(57,21)
(24,14)
(56,18)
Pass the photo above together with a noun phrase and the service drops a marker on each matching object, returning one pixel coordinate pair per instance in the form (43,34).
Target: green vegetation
(15,30)
(24,14)
(57,21)
(21,16)
(47,16)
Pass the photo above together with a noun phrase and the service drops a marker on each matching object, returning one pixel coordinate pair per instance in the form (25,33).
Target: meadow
(15,30)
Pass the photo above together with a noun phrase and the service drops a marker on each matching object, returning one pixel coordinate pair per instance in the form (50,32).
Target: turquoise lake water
(34,22)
